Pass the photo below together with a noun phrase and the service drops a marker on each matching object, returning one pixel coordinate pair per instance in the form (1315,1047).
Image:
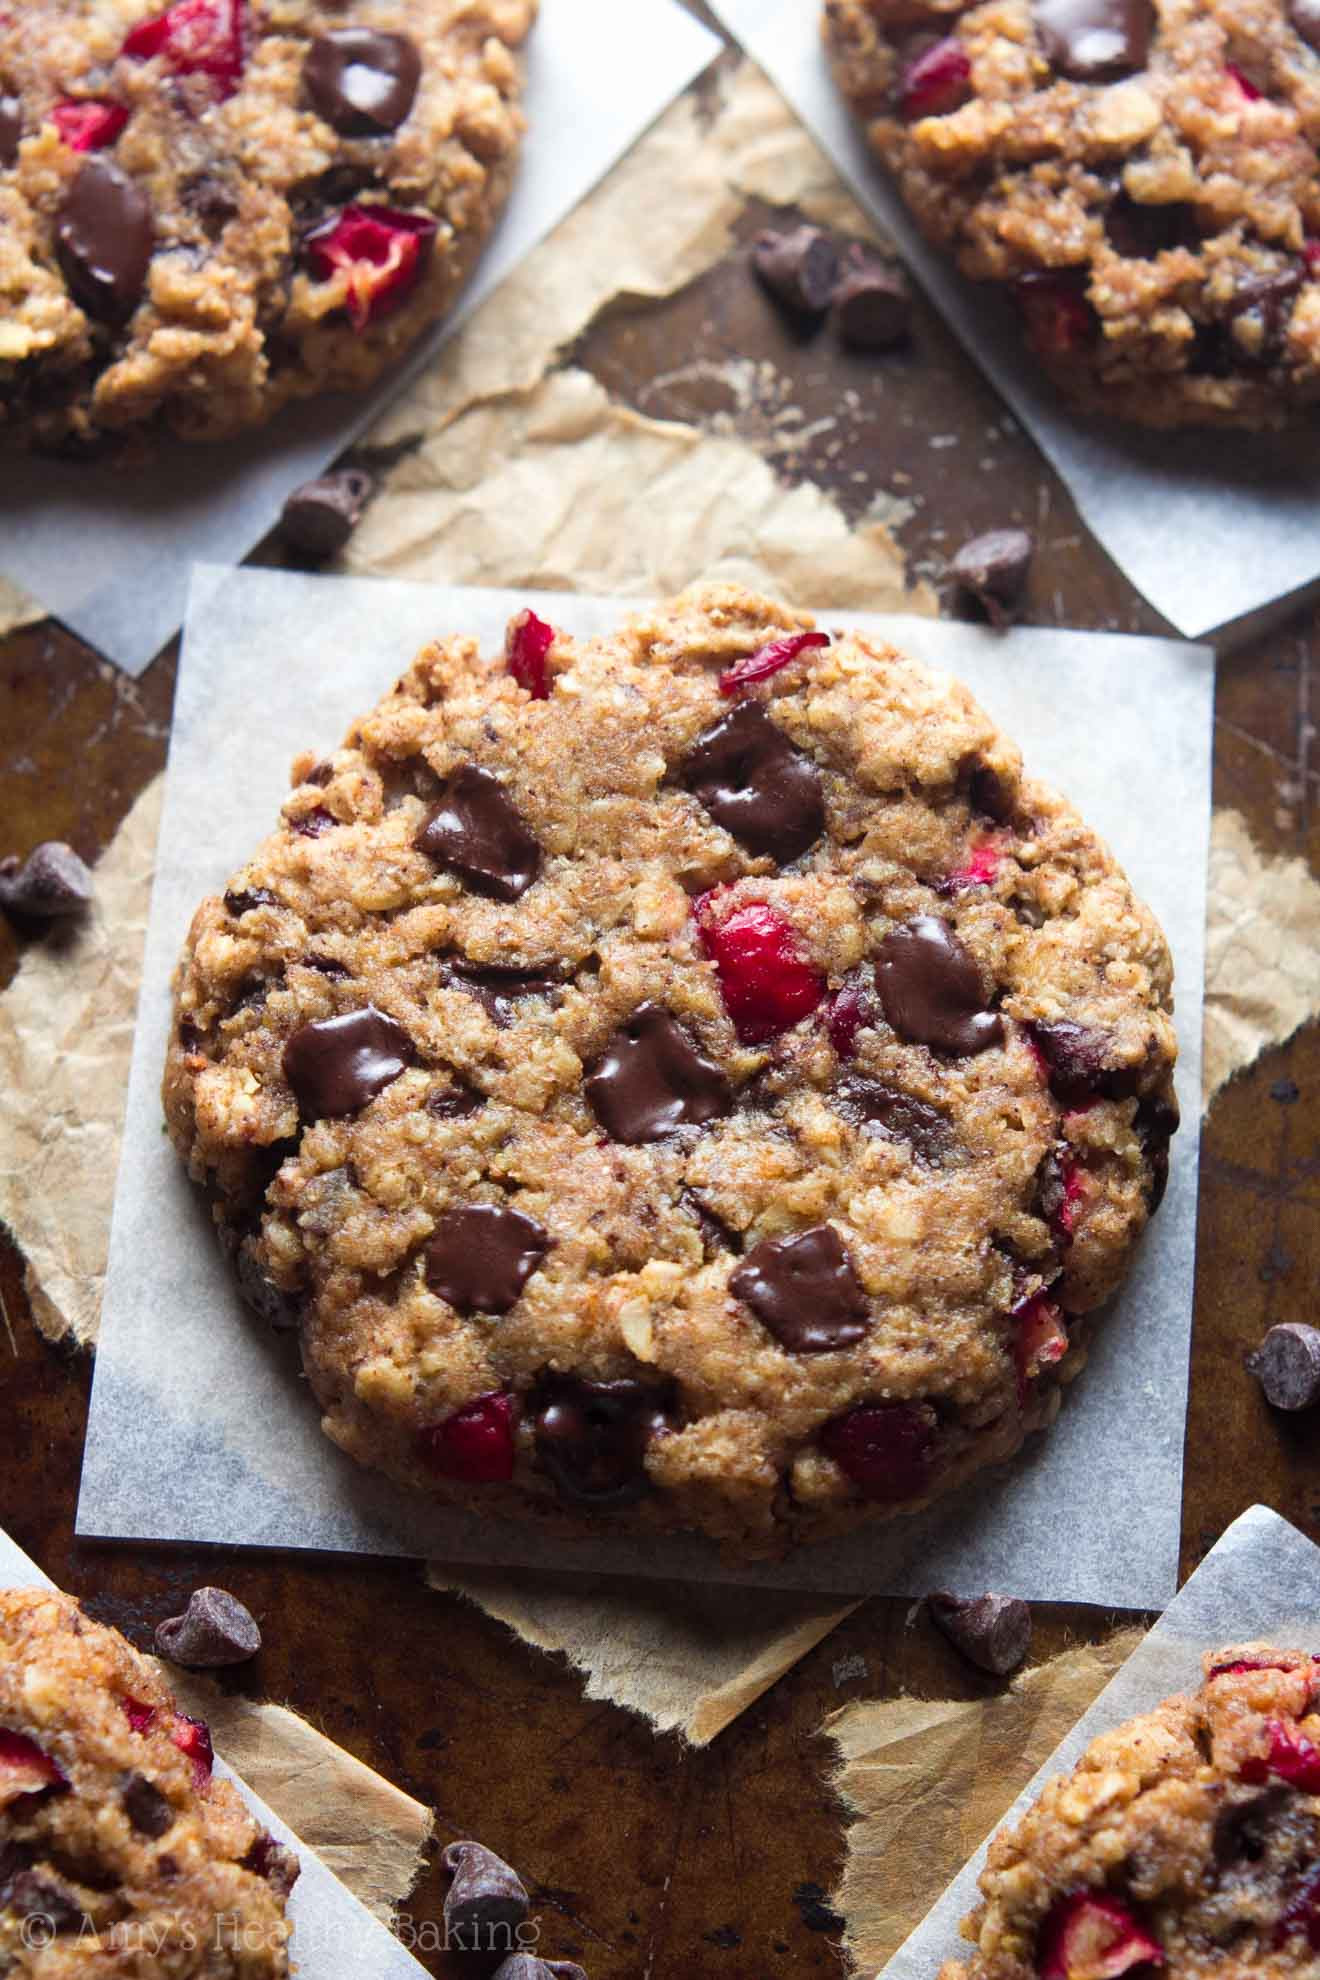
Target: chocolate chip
(36,1897)
(1305,17)
(1094,40)
(990,794)
(482,1256)
(104,238)
(799,267)
(51,884)
(650,1080)
(281,1310)
(994,568)
(145,1806)
(1242,1832)
(271,1860)
(497,990)
(320,516)
(1076,1058)
(804,1291)
(872,304)
(900,1116)
(930,989)
(476,831)
(1139,232)
(314,824)
(337,1065)
(764,792)
(716,1235)
(11,128)
(214,1630)
(486,1902)
(455,1103)
(362,82)
(240,901)
(1287,1365)
(992,1631)
(592,1436)
(326,966)
(526,1966)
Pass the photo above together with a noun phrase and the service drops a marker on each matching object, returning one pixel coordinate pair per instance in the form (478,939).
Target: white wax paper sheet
(332,1933)
(1262,1580)
(108,552)
(1210,526)
(200,1429)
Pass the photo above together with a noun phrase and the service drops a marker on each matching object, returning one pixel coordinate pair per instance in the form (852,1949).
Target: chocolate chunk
(592,1436)
(650,1080)
(314,824)
(872,304)
(326,966)
(336,1065)
(527,1966)
(716,1235)
(11,128)
(362,82)
(1156,1123)
(930,989)
(898,1115)
(455,1103)
(214,1630)
(240,901)
(1305,17)
(993,568)
(992,1631)
(1287,1365)
(145,1806)
(805,1291)
(482,1256)
(1139,232)
(1075,1056)
(273,1861)
(799,267)
(35,1897)
(281,1310)
(485,1904)
(1094,40)
(1242,1832)
(320,516)
(988,793)
(497,990)
(476,831)
(51,884)
(764,792)
(104,238)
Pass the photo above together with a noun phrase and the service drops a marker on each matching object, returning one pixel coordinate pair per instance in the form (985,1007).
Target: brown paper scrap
(16,608)
(1261,977)
(926,1781)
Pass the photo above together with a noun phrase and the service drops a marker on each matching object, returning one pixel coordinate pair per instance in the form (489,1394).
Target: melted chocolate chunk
(1076,1056)
(716,1235)
(336,1065)
(362,82)
(498,990)
(104,238)
(240,901)
(476,832)
(1305,17)
(592,1436)
(650,1081)
(870,1103)
(11,128)
(1139,232)
(145,1806)
(482,1256)
(989,794)
(930,989)
(1094,40)
(804,1291)
(764,792)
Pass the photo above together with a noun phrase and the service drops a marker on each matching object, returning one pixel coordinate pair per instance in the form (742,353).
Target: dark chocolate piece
(651,1081)
(992,1631)
(477,832)
(486,1902)
(804,1291)
(104,237)
(1094,40)
(337,1065)
(214,1630)
(320,516)
(51,884)
(994,568)
(592,1436)
(871,1103)
(872,304)
(1287,1365)
(753,781)
(799,267)
(362,82)
(482,1255)
(930,989)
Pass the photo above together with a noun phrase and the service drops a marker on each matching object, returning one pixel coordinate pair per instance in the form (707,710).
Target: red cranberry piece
(90,125)
(849,1011)
(1074,1195)
(25,1769)
(140,1717)
(884,1449)
(1059,320)
(526,646)
(381,250)
(939,80)
(475,1444)
(1241,1664)
(196,38)
(1292,1757)
(978,869)
(1242,83)
(1041,1339)
(766,982)
(193,1737)
(1091,1936)
(1311,250)
(768,660)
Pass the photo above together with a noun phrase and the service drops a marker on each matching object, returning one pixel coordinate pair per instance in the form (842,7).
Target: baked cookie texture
(1141,176)
(120,1854)
(691,1074)
(212,208)
(1187,1841)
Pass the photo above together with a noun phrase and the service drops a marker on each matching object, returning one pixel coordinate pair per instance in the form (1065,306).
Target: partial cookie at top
(698,1080)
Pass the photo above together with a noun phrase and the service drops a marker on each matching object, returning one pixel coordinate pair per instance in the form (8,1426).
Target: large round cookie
(706,1081)
(210,208)
(120,1854)
(1142,177)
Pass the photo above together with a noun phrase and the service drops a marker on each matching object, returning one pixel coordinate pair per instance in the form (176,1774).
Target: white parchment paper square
(109,552)
(333,1934)
(1210,526)
(200,1429)
(1262,1580)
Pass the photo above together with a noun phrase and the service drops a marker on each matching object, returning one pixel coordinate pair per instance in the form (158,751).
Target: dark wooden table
(649,1860)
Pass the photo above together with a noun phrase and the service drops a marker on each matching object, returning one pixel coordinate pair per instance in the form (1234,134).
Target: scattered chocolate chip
(482,1256)
(930,989)
(214,1630)
(1305,17)
(1287,1365)
(337,1065)
(51,884)
(994,568)
(757,785)
(870,1103)
(240,901)
(476,831)
(872,304)
(362,82)
(592,1436)
(104,237)
(650,1080)
(1139,231)
(1094,40)
(145,1806)
(497,989)
(486,1902)
(992,1631)
(527,1966)
(805,1291)
(320,516)
(273,1861)
(799,267)
(34,1896)
(11,128)
(281,1310)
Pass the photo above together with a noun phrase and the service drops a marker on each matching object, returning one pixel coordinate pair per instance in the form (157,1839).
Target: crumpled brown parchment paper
(926,1780)
(16,608)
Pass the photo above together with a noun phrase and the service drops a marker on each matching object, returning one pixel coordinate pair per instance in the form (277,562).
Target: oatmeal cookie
(690,1072)
(1140,176)
(1187,1840)
(210,208)
(119,1853)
